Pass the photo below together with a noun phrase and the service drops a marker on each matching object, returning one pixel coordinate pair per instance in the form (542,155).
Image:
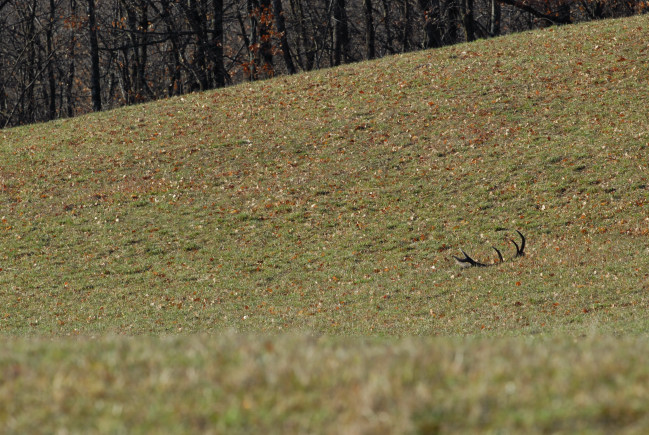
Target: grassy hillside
(331,203)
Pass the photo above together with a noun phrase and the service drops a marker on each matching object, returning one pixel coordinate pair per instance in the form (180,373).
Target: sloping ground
(331,203)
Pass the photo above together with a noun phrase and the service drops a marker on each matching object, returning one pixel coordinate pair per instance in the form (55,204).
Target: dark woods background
(60,58)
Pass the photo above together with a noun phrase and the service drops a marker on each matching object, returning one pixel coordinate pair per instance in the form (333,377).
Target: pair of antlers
(470,262)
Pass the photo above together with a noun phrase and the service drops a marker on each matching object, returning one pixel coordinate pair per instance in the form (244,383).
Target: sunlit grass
(332,203)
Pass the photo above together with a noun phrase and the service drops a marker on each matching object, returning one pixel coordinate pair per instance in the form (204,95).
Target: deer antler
(467,261)
(470,262)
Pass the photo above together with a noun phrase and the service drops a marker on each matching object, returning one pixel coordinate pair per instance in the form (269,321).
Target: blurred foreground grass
(291,384)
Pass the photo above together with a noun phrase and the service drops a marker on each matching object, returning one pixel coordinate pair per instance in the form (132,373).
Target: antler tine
(468,261)
(464,262)
(520,250)
(500,256)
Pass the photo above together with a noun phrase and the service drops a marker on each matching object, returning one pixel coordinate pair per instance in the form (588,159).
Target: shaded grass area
(289,384)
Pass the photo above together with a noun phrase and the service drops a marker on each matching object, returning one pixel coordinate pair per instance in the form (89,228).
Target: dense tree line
(59,58)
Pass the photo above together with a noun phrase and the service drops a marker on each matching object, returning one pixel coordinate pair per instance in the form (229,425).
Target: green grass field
(278,255)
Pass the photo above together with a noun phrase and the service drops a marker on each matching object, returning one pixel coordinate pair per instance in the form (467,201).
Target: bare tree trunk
(306,40)
(341,32)
(133,80)
(281,29)
(142,53)
(28,112)
(69,79)
(3,97)
(494,18)
(387,22)
(217,44)
(370,37)
(266,46)
(405,35)
(451,21)
(467,20)
(3,84)
(51,79)
(563,13)
(251,41)
(432,24)
(174,83)
(198,25)
(95,85)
